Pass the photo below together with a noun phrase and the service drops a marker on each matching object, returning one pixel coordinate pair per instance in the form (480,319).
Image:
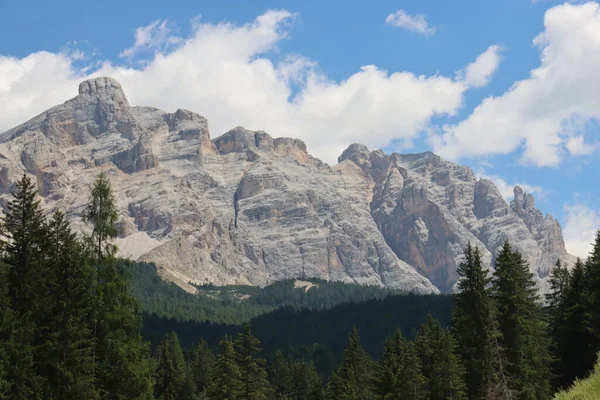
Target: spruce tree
(225,377)
(522,326)
(577,359)
(476,332)
(201,362)
(166,379)
(441,366)
(281,376)
(398,373)
(306,383)
(255,385)
(68,289)
(592,293)
(122,364)
(557,306)
(353,378)
(22,247)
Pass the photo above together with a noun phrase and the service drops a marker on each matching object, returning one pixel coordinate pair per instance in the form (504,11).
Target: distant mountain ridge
(246,208)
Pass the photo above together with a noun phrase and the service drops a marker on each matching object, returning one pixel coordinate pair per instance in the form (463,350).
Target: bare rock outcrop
(247,208)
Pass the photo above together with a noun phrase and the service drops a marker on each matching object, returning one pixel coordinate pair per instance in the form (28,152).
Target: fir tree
(22,246)
(68,289)
(255,385)
(398,373)
(558,328)
(352,380)
(281,376)
(441,366)
(476,333)
(225,380)
(522,326)
(102,214)
(592,293)
(166,379)
(122,364)
(306,383)
(201,362)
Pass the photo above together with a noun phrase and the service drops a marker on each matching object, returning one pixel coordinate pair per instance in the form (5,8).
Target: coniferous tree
(6,324)
(122,365)
(353,378)
(281,376)
(577,324)
(201,362)
(476,332)
(68,289)
(253,374)
(225,381)
(523,329)
(22,247)
(556,301)
(306,384)
(166,379)
(592,294)
(398,373)
(441,366)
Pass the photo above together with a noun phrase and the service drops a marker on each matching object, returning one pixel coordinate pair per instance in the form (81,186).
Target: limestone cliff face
(249,208)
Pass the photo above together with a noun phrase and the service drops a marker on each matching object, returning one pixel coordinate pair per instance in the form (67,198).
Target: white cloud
(414,23)
(577,146)
(531,114)
(151,37)
(506,189)
(221,71)
(581,224)
(479,72)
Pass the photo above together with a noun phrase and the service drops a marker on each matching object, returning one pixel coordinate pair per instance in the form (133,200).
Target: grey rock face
(252,209)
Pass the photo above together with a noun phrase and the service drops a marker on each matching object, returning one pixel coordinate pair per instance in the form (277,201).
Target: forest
(78,323)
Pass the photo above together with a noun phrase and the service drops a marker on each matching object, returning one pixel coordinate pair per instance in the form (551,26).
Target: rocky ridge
(247,208)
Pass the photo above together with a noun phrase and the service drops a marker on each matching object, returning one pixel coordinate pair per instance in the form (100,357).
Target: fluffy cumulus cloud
(414,23)
(581,223)
(531,116)
(479,72)
(224,72)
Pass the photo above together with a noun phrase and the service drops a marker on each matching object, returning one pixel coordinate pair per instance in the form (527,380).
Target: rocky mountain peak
(248,208)
(102,87)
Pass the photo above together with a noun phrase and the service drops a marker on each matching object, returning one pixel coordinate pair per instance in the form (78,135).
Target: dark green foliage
(475,331)
(102,214)
(201,362)
(398,373)
(592,289)
(441,366)
(66,349)
(225,381)
(353,378)
(173,378)
(253,375)
(523,330)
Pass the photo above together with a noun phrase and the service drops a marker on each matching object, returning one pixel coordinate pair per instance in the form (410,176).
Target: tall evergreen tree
(398,373)
(281,376)
(68,289)
(122,365)
(441,366)
(353,378)
(166,378)
(102,214)
(476,332)
(253,374)
(201,363)
(522,326)
(592,293)
(556,301)
(22,247)
(225,381)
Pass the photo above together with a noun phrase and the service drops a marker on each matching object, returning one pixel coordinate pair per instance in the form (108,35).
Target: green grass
(586,389)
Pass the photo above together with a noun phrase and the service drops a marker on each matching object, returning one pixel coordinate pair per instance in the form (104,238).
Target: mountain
(247,208)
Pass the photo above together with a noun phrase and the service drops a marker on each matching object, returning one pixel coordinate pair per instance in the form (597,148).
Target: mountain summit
(247,208)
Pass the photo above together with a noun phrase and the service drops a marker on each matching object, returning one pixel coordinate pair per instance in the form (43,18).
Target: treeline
(238,304)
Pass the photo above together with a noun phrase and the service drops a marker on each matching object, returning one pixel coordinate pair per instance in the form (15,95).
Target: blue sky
(453,77)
